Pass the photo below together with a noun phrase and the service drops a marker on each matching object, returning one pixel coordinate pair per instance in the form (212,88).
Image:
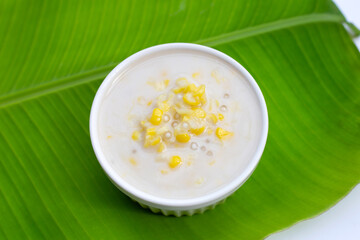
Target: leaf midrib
(100,72)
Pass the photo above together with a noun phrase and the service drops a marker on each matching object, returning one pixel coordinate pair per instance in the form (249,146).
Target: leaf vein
(101,72)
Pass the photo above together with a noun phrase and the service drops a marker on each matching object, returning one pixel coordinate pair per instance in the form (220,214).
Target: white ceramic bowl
(175,207)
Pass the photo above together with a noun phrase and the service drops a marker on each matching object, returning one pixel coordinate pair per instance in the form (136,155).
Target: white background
(341,222)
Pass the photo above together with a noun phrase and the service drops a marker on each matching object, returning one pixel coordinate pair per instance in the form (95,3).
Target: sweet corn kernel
(203,99)
(214,74)
(199,113)
(163,106)
(197,131)
(185,118)
(152,141)
(151,137)
(200,91)
(195,75)
(161,98)
(161,147)
(181,110)
(159,85)
(136,135)
(162,130)
(163,171)
(221,117)
(182,82)
(175,161)
(178,90)
(133,161)
(156,116)
(182,137)
(191,100)
(143,123)
(191,88)
(171,96)
(150,132)
(222,133)
(213,118)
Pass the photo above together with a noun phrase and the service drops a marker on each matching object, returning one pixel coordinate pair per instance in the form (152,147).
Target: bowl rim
(188,203)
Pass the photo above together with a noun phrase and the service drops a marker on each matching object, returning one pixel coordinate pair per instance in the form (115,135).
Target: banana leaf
(55,54)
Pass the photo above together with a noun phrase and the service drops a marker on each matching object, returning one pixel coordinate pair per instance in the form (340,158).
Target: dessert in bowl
(178,127)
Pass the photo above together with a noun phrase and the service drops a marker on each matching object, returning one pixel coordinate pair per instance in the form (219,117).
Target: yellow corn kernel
(199,113)
(191,100)
(133,161)
(195,75)
(185,118)
(182,137)
(151,137)
(200,90)
(143,123)
(149,103)
(150,132)
(182,82)
(222,133)
(197,131)
(162,130)
(159,85)
(178,90)
(214,74)
(213,118)
(147,142)
(156,140)
(221,117)
(191,88)
(203,99)
(212,162)
(156,116)
(171,96)
(161,147)
(152,141)
(164,106)
(136,135)
(175,161)
(161,98)
(182,110)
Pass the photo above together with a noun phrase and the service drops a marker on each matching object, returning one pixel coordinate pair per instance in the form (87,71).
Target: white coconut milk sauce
(208,162)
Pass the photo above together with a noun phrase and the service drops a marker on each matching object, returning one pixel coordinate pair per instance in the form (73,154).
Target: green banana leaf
(55,54)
